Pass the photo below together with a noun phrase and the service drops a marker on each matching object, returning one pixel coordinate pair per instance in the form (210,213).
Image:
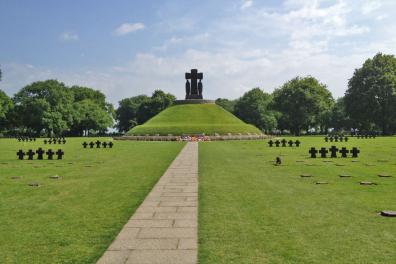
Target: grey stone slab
(162,257)
(164,228)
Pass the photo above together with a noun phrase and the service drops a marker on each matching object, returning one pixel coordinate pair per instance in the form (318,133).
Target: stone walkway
(164,227)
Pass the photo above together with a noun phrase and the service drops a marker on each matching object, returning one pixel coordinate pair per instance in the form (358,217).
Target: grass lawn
(194,119)
(254,212)
(74,219)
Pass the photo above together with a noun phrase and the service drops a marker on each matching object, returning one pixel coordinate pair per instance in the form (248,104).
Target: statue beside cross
(194,88)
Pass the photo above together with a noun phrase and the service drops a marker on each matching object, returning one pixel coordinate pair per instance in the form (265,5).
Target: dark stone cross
(59,141)
(284,141)
(290,143)
(313,152)
(271,143)
(194,89)
(104,144)
(54,141)
(30,154)
(346,139)
(323,152)
(50,154)
(91,144)
(277,142)
(40,153)
(341,138)
(344,152)
(45,141)
(326,139)
(20,154)
(98,143)
(111,144)
(355,152)
(336,138)
(64,141)
(333,151)
(85,144)
(331,139)
(49,141)
(60,153)
(297,143)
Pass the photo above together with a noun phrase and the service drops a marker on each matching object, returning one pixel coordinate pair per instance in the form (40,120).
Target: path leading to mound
(164,227)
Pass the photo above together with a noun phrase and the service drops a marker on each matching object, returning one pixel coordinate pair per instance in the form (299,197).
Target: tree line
(301,104)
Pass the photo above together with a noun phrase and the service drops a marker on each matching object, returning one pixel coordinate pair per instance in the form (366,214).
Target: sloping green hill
(194,119)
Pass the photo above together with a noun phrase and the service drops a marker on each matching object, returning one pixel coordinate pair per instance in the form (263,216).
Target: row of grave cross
(98,144)
(365,136)
(283,142)
(23,139)
(336,139)
(40,153)
(54,140)
(333,152)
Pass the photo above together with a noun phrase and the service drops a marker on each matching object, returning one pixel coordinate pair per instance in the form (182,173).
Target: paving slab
(164,228)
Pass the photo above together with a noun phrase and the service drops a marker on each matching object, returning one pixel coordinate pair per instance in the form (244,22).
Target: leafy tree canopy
(302,102)
(371,95)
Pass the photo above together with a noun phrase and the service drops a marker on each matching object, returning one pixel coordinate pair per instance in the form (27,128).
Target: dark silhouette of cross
(297,143)
(341,139)
(355,152)
(50,154)
(20,154)
(290,143)
(91,144)
(192,91)
(323,152)
(277,142)
(346,139)
(85,144)
(64,141)
(30,154)
(331,139)
(333,151)
(45,141)
(313,152)
(326,139)
(40,153)
(336,138)
(344,152)
(270,143)
(111,144)
(104,144)
(98,143)
(60,153)
(54,141)
(284,141)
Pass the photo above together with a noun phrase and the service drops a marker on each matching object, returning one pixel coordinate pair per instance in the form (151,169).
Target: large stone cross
(194,89)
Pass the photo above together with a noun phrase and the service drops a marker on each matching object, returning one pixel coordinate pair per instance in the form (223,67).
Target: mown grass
(194,119)
(254,212)
(74,219)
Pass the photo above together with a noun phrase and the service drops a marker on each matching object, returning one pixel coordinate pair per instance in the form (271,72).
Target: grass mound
(194,119)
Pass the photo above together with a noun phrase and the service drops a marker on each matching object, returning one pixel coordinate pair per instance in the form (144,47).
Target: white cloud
(246,4)
(127,28)
(69,36)
(370,6)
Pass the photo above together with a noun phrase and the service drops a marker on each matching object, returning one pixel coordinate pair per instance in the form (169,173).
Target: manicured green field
(73,219)
(194,119)
(254,212)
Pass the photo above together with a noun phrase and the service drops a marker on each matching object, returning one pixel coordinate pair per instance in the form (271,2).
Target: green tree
(6,106)
(254,108)
(155,104)
(371,95)
(45,105)
(228,105)
(339,119)
(89,115)
(126,113)
(303,103)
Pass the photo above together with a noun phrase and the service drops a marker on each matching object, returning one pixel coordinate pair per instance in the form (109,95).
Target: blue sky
(125,48)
